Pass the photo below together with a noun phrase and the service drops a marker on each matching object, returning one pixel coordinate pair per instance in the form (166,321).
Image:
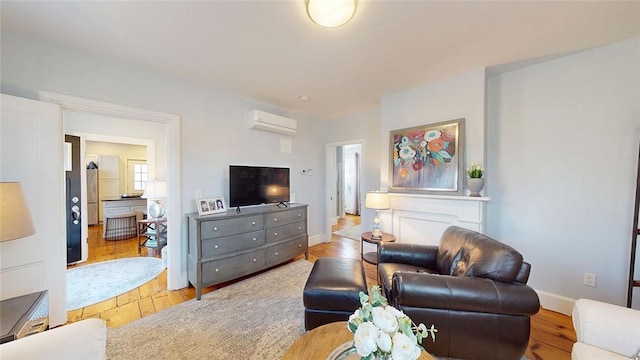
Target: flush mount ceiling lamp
(331,13)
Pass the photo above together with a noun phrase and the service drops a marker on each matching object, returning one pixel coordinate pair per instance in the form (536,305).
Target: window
(139,176)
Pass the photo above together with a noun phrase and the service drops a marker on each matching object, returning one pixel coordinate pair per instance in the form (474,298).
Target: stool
(332,291)
(120,226)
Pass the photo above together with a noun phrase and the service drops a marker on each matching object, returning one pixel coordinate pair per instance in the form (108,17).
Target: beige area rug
(257,318)
(351,232)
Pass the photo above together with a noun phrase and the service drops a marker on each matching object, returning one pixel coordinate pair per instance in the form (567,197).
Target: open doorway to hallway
(348,190)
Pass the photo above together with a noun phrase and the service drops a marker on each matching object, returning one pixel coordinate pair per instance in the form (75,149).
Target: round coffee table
(321,341)
(372,257)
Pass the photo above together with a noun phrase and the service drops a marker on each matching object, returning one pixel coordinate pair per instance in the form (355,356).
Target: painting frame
(428,159)
(208,206)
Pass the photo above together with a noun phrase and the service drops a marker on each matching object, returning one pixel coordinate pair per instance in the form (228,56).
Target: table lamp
(15,220)
(155,190)
(377,200)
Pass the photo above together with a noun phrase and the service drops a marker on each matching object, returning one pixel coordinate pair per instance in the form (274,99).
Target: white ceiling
(270,51)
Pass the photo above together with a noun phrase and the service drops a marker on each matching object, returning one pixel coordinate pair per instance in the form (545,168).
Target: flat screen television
(255,185)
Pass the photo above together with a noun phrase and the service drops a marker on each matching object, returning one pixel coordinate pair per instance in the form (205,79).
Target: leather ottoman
(332,291)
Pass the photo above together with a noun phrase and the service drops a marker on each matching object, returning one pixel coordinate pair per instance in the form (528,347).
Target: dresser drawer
(222,245)
(285,217)
(286,251)
(284,232)
(217,271)
(232,226)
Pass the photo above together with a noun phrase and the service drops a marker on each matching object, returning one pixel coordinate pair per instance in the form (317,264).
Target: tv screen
(255,185)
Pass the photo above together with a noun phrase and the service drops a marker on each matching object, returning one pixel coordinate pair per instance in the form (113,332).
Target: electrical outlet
(590,279)
(198,194)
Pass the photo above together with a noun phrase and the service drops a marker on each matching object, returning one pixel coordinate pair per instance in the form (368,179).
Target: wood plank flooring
(552,334)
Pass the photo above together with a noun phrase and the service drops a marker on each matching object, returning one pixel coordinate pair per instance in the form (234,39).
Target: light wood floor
(552,334)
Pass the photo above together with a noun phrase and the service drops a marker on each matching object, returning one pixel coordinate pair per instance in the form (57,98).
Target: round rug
(91,284)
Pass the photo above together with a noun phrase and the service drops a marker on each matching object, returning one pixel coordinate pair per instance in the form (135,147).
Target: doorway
(137,121)
(344,188)
(114,169)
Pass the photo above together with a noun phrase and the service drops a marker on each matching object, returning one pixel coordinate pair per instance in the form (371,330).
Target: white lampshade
(331,13)
(155,190)
(377,200)
(15,220)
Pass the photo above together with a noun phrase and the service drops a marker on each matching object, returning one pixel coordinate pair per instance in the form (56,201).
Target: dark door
(73,194)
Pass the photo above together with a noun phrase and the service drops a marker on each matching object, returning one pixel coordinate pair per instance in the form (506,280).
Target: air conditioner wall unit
(261,120)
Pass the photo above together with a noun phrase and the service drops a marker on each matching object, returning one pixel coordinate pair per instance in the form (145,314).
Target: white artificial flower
(384,320)
(354,316)
(384,341)
(404,348)
(365,339)
(395,312)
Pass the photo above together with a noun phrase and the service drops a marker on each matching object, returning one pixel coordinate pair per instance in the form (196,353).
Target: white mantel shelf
(442,197)
(422,218)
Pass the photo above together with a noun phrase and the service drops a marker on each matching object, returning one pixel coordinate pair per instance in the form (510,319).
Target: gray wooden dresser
(226,246)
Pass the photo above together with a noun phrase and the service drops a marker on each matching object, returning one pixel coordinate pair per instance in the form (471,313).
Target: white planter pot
(475,186)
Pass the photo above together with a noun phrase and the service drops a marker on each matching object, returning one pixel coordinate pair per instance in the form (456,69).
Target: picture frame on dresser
(211,206)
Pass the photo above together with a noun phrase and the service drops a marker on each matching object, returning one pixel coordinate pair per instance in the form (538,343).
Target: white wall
(213,130)
(462,96)
(563,142)
(365,126)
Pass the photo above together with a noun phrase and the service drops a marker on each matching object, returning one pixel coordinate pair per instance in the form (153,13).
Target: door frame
(331,179)
(176,265)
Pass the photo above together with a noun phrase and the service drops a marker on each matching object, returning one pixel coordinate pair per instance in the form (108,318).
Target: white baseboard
(554,302)
(318,239)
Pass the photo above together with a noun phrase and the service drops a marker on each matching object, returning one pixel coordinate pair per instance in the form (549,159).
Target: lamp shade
(155,190)
(15,220)
(331,13)
(377,200)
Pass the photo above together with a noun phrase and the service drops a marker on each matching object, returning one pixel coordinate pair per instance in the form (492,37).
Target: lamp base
(376,233)
(156,210)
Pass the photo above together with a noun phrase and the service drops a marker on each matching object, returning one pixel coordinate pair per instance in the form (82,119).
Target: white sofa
(84,339)
(605,331)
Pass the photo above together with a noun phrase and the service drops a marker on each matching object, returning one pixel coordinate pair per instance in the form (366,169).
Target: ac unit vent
(261,120)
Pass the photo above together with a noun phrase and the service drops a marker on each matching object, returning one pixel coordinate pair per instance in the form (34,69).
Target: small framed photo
(211,206)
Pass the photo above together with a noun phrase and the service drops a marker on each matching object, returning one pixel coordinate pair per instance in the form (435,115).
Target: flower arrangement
(383,332)
(475,171)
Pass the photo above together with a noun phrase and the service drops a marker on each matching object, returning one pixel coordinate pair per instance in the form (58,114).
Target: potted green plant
(475,181)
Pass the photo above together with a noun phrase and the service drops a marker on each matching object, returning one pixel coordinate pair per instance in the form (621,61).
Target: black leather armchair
(471,287)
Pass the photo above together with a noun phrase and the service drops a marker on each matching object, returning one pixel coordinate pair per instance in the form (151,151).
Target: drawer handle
(254,260)
(275,219)
(253,223)
(254,239)
(217,270)
(275,234)
(299,245)
(299,215)
(276,253)
(299,227)
(215,246)
(215,228)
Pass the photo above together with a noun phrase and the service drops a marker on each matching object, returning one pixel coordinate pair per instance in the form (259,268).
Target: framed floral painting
(427,159)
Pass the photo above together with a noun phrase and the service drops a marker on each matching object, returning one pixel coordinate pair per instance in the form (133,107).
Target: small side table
(152,233)
(372,257)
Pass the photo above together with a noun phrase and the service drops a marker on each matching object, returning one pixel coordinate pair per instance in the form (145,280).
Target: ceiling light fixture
(331,13)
